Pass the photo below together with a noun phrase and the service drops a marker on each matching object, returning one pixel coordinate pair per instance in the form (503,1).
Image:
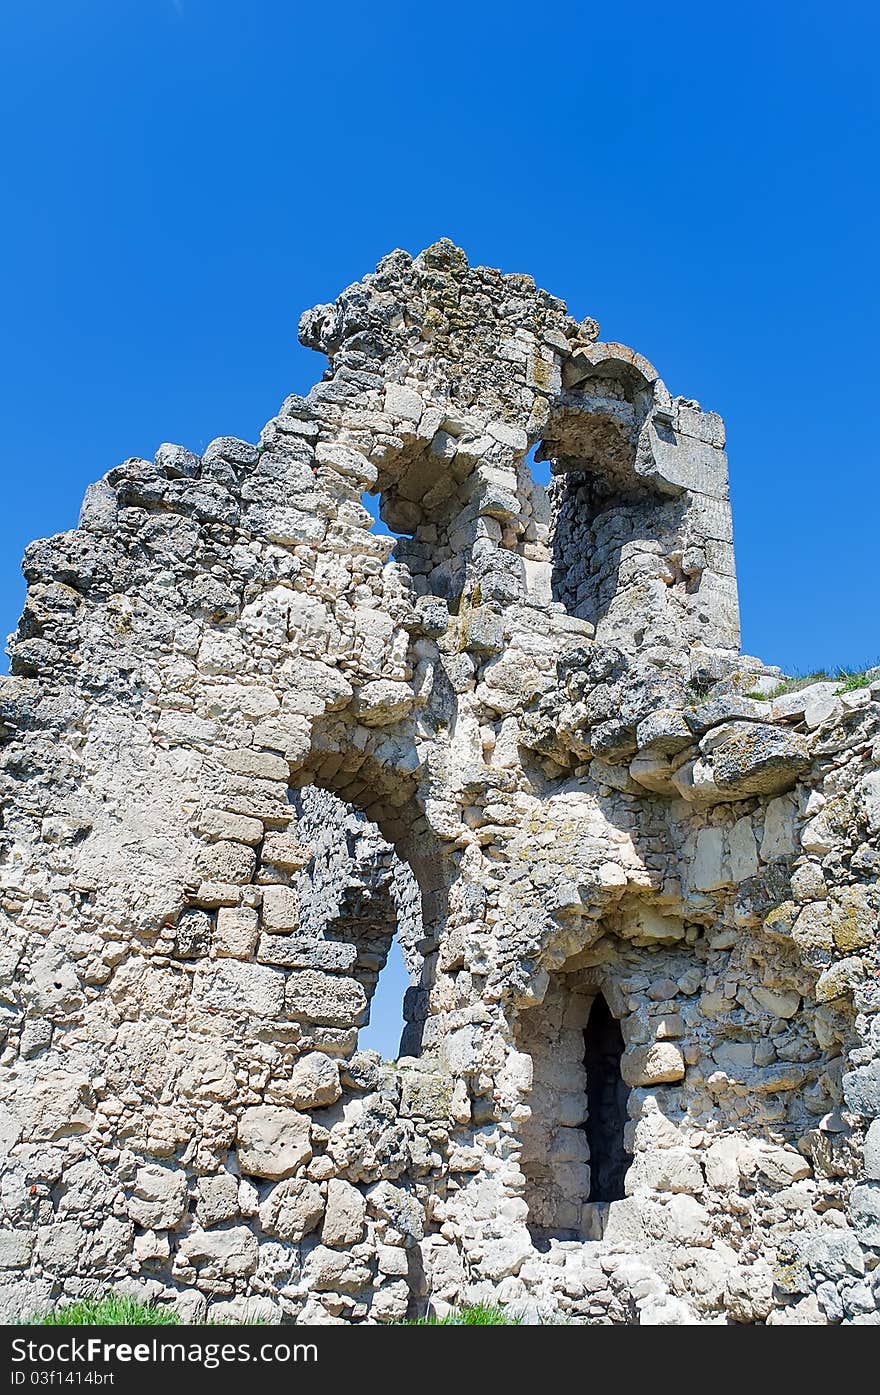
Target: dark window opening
(607,1097)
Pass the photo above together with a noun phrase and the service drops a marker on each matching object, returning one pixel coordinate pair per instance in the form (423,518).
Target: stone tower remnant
(245,739)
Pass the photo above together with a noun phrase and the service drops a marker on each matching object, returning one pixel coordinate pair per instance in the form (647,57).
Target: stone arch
(362,784)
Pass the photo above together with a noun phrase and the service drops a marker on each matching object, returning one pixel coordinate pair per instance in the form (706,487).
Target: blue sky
(181,178)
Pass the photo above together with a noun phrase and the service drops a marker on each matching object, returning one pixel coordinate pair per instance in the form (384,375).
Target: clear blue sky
(181,178)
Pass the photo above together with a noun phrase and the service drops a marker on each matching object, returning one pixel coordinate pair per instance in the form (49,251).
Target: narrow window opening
(607,1097)
(358,915)
(385,1024)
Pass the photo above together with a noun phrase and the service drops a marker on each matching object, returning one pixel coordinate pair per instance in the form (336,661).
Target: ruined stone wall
(538,701)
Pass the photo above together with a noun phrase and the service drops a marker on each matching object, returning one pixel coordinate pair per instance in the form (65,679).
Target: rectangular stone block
(230,987)
(280,909)
(325,999)
(286,851)
(262,764)
(290,952)
(220,824)
(237,932)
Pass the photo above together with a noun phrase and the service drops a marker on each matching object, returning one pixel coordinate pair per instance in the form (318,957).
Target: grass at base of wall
(112,1311)
(478,1315)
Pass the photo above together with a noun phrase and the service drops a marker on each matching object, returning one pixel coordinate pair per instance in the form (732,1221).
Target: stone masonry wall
(536,699)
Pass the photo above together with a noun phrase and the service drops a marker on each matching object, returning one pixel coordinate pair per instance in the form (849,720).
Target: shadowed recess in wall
(607,1097)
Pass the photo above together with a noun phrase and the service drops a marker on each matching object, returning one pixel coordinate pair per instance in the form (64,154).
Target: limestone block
(403,402)
(854,917)
(392,1261)
(707,872)
(335,1271)
(869,797)
(483,631)
(742,851)
(217,1198)
(666,1170)
(297,952)
(839,979)
(231,1251)
(290,734)
(62,1246)
(687,1221)
(159,1200)
(506,1256)
(345,1216)
(664,732)
(539,581)
(652,1065)
(53,1106)
(822,707)
(194,933)
(227,862)
(273,1141)
(647,925)
(652,772)
(236,932)
(245,1312)
(722,1161)
(231,987)
(327,999)
(285,850)
(872,1152)
(216,823)
(280,912)
(754,758)
(16,1248)
(400,1207)
(748,1295)
(780,839)
(811,931)
(346,462)
(719,711)
(313,1082)
(261,764)
(779,1002)
(384,701)
(292,1210)
(865,1211)
(782,1166)
(426,1095)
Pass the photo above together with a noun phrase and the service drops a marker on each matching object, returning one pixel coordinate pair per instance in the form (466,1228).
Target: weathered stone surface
(755,758)
(653,1065)
(232,1251)
(292,1209)
(273,1142)
(312,996)
(160,1197)
(345,1214)
(314,1081)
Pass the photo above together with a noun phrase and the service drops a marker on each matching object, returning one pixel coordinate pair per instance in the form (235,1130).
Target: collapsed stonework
(241,729)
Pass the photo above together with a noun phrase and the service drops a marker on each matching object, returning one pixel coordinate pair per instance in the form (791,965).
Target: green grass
(849,679)
(112,1311)
(478,1315)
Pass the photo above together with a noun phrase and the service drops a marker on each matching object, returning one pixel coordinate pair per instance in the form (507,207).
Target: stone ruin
(246,739)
